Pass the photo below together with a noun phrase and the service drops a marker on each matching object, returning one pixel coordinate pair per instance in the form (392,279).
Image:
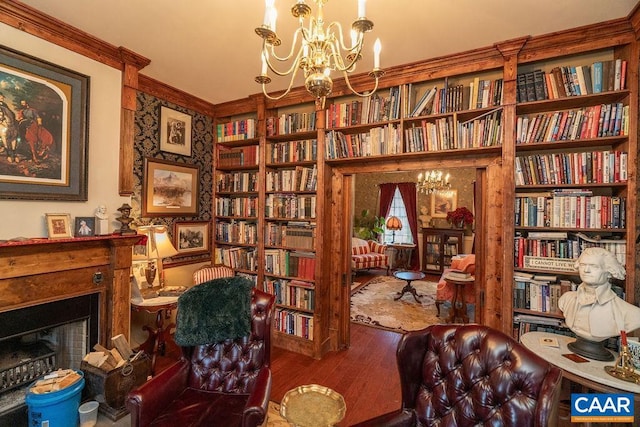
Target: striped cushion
(359,246)
(205,274)
(370,260)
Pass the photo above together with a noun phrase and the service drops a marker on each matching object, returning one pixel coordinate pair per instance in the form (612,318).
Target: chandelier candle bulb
(268,6)
(361,6)
(377,47)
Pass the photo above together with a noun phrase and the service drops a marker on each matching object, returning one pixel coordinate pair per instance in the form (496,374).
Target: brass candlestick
(623,369)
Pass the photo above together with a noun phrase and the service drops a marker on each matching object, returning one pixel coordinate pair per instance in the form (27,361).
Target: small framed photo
(59,225)
(443,202)
(85,226)
(191,237)
(169,188)
(175,131)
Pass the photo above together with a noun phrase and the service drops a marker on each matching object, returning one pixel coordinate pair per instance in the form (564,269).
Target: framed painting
(43,129)
(59,225)
(191,237)
(169,188)
(85,226)
(443,202)
(175,131)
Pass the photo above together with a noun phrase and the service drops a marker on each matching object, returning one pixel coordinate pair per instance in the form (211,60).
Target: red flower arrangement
(459,216)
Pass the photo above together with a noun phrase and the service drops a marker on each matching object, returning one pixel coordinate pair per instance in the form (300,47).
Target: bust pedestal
(102,226)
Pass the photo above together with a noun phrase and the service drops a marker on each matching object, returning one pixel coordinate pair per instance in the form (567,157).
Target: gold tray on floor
(313,406)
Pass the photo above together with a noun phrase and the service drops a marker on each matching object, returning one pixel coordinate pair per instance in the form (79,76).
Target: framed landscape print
(191,237)
(43,130)
(169,188)
(175,131)
(443,202)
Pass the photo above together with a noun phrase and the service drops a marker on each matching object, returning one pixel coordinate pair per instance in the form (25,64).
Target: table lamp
(393,224)
(159,246)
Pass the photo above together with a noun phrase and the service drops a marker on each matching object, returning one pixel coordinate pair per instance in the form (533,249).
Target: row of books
(556,254)
(300,178)
(291,123)
(290,206)
(523,323)
(480,93)
(378,141)
(294,293)
(241,232)
(236,130)
(564,81)
(581,210)
(237,258)
(281,262)
(237,181)
(292,151)
(586,167)
(292,234)
(590,122)
(448,134)
(376,108)
(239,156)
(294,323)
(237,206)
(539,295)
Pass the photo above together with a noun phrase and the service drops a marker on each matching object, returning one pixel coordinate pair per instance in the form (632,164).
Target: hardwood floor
(364,374)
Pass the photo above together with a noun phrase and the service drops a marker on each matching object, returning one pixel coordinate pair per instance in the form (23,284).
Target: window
(398,209)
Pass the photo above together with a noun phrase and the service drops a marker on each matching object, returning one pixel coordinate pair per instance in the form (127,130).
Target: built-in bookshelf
(236,194)
(548,158)
(571,173)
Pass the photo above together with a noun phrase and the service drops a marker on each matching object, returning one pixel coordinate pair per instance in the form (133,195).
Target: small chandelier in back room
(319,51)
(433,182)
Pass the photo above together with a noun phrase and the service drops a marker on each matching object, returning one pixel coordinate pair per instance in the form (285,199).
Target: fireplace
(57,300)
(40,339)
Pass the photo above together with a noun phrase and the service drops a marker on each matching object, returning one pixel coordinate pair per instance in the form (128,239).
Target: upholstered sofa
(367,254)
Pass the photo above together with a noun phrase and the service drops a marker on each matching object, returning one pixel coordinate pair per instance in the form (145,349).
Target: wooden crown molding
(164,91)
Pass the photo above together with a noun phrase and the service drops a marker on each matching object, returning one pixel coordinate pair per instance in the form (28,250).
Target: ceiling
(208,48)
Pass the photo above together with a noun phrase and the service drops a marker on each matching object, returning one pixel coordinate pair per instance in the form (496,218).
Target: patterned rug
(374,305)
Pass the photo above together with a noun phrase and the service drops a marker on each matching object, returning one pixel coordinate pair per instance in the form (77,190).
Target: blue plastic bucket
(55,409)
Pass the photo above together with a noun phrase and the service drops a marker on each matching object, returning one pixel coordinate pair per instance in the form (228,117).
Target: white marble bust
(594,312)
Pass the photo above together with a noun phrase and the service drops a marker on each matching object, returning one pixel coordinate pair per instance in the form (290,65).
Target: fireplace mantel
(37,271)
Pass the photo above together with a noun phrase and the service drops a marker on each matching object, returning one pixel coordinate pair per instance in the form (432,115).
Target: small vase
(459,224)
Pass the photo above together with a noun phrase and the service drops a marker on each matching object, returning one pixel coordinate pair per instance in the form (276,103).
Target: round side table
(156,342)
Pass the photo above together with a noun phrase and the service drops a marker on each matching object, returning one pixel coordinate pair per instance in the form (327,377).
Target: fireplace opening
(40,339)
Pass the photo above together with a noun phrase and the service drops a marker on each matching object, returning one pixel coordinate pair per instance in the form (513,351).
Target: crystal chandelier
(432,182)
(319,51)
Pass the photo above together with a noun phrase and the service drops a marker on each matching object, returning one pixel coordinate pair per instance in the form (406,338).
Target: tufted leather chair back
(231,366)
(468,375)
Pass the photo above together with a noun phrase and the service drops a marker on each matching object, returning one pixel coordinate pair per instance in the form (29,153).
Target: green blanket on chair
(214,311)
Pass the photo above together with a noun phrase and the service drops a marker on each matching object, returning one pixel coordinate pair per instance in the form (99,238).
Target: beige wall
(366,189)
(26,218)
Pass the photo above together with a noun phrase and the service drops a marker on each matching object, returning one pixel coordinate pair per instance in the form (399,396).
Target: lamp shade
(394,223)
(159,245)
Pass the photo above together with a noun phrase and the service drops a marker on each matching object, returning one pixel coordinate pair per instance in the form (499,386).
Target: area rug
(374,305)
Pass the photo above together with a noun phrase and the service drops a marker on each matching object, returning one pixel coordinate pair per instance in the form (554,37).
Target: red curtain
(409,197)
(387,191)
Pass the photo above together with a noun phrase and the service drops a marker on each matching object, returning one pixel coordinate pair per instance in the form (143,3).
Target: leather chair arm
(152,397)
(398,418)
(255,411)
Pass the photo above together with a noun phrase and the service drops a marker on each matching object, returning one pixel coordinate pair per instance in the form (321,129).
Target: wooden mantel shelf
(37,271)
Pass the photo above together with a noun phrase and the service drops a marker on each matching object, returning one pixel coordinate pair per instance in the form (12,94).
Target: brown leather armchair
(227,383)
(468,375)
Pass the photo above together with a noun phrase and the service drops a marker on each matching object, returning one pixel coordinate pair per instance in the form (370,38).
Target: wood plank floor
(364,374)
